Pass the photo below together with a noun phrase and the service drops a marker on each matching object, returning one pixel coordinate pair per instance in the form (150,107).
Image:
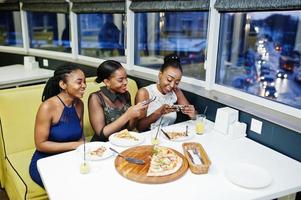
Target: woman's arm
(188,110)
(145,121)
(97,118)
(43,123)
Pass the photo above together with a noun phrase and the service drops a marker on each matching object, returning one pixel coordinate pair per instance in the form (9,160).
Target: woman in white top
(167,94)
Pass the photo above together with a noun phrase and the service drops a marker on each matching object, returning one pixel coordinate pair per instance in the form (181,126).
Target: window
(49,31)
(160,33)
(259,53)
(10,29)
(102,35)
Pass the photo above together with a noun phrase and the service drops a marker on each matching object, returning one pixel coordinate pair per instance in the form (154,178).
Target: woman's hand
(165,109)
(78,143)
(135,111)
(189,110)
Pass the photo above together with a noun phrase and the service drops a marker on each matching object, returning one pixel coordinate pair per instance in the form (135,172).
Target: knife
(190,156)
(165,134)
(129,159)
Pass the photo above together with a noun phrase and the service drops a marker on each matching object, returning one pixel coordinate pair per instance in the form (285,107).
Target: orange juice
(199,127)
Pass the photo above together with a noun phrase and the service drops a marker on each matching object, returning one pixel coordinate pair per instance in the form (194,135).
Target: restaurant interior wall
(281,139)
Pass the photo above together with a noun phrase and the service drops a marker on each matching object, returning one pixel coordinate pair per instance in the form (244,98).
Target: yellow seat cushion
(91,87)
(2,159)
(17,112)
(17,167)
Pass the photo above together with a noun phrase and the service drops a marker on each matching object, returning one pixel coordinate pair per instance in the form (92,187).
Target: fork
(195,152)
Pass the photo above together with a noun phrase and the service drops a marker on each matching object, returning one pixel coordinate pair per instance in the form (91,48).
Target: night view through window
(49,31)
(101,35)
(183,33)
(259,53)
(10,29)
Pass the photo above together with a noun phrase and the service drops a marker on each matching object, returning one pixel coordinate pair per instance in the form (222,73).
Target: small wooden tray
(201,168)
(138,172)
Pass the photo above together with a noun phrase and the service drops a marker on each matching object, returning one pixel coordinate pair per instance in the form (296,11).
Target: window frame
(275,112)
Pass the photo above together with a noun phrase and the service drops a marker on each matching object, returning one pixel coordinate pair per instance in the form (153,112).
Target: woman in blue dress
(58,125)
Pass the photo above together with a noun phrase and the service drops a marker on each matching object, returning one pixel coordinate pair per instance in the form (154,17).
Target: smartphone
(148,101)
(177,107)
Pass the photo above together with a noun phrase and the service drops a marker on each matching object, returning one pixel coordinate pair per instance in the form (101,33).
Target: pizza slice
(125,134)
(98,152)
(175,135)
(164,162)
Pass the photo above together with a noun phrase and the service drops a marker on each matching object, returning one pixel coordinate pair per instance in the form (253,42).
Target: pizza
(98,152)
(164,161)
(175,135)
(125,134)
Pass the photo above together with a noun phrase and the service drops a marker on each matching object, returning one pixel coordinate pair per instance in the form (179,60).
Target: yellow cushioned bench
(18,108)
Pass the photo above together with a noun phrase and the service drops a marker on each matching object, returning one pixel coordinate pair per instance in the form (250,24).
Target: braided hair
(52,86)
(171,60)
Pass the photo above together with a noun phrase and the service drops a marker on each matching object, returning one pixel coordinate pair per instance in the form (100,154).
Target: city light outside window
(102,35)
(259,53)
(160,33)
(49,31)
(10,29)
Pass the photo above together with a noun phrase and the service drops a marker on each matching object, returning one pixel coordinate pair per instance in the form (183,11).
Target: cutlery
(129,159)
(195,152)
(190,156)
(186,132)
(165,134)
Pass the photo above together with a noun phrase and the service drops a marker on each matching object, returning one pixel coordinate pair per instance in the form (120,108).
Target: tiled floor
(3,195)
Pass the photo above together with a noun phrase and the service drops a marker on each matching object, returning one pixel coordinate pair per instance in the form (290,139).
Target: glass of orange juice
(200,124)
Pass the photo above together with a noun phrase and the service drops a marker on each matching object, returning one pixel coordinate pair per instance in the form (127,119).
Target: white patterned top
(169,98)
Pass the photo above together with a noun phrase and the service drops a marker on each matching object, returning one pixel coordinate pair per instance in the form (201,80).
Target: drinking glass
(200,124)
(154,133)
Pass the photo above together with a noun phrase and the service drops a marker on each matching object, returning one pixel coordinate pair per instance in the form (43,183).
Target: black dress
(114,105)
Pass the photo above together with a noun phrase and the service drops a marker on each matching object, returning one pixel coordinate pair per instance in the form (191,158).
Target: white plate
(126,142)
(248,176)
(92,146)
(177,129)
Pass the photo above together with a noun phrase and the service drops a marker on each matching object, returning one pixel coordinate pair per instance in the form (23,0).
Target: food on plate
(164,161)
(176,134)
(98,152)
(125,134)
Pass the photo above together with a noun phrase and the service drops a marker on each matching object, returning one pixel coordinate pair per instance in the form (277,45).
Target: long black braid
(52,86)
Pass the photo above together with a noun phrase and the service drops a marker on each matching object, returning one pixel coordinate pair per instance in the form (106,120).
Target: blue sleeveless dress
(68,129)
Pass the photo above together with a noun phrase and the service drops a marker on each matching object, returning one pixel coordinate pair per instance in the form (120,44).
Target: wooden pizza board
(138,172)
